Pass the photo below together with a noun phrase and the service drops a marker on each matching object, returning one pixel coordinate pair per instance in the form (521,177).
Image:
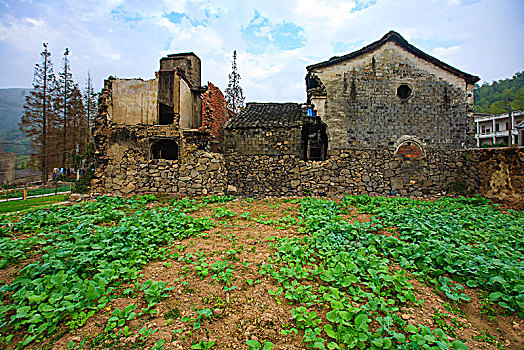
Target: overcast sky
(274,39)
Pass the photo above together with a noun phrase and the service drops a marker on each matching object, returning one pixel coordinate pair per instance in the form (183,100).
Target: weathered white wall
(134,101)
(186,105)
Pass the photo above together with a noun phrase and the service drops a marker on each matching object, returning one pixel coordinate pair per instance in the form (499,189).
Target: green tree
(71,113)
(38,111)
(234,93)
(493,98)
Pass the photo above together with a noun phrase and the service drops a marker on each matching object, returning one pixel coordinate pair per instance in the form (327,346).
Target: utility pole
(510,137)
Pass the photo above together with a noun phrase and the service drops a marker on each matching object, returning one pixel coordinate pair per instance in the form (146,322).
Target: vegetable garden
(299,273)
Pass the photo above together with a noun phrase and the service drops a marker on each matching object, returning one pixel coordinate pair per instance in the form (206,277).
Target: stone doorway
(314,142)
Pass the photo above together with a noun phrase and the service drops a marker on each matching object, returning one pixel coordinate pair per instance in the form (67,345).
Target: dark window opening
(165,149)
(166,115)
(312,82)
(497,127)
(404,91)
(314,142)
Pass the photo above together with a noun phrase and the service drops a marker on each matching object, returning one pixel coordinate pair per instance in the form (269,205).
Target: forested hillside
(493,98)
(11,110)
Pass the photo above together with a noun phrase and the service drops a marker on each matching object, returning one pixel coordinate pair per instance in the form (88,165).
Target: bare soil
(248,311)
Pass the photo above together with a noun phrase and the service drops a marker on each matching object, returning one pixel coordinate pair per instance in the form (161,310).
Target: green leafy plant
(256,345)
(203,345)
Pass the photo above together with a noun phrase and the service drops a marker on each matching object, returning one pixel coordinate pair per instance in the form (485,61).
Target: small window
(167,115)
(404,91)
(497,127)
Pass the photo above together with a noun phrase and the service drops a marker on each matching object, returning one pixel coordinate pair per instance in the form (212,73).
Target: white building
(494,128)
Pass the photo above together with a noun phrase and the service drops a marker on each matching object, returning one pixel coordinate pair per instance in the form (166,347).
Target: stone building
(148,132)
(385,120)
(391,95)
(387,95)
(268,128)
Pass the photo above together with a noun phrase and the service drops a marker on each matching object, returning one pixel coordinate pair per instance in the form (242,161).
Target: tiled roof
(268,115)
(397,38)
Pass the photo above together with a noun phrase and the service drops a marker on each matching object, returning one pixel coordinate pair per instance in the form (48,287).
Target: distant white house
(495,128)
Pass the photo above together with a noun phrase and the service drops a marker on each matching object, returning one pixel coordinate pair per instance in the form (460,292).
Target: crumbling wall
(370,171)
(134,101)
(495,173)
(7,168)
(126,164)
(214,115)
(500,172)
(202,174)
(363,108)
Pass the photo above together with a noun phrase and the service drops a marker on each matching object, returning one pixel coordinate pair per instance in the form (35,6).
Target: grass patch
(16,205)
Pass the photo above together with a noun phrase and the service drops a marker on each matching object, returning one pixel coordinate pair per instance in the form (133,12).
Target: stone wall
(500,172)
(202,174)
(7,168)
(278,141)
(492,173)
(373,172)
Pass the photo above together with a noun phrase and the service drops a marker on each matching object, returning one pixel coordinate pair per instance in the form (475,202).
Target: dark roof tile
(268,115)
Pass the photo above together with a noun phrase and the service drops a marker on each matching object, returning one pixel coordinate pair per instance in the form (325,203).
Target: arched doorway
(165,149)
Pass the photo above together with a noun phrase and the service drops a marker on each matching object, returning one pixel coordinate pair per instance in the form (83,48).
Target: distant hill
(12,107)
(11,110)
(493,98)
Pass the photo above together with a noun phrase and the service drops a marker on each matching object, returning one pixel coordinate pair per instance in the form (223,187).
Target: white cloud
(127,37)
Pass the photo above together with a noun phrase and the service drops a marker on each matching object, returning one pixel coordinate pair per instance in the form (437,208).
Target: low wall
(372,172)
(493,173)
(202,174)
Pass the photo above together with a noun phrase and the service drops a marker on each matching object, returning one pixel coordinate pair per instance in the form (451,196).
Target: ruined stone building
(144,126)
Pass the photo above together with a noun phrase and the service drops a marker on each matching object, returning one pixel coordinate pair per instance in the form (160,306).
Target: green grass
(34,192)
(16,205)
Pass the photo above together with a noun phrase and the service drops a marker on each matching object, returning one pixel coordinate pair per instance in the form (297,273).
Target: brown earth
(248,311)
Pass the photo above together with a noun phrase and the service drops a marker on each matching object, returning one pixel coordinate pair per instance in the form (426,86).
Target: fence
(19,193)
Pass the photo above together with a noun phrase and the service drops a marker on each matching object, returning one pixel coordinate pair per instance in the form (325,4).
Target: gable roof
(268,115)
(399,40)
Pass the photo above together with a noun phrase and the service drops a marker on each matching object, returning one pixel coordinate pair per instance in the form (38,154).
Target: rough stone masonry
(387,119)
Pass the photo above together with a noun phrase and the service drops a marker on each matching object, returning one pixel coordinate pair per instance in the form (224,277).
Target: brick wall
(214,116)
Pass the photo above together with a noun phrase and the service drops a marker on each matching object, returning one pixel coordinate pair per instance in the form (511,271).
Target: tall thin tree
(38,111)
(64,77)
(90,103)
(234,93)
